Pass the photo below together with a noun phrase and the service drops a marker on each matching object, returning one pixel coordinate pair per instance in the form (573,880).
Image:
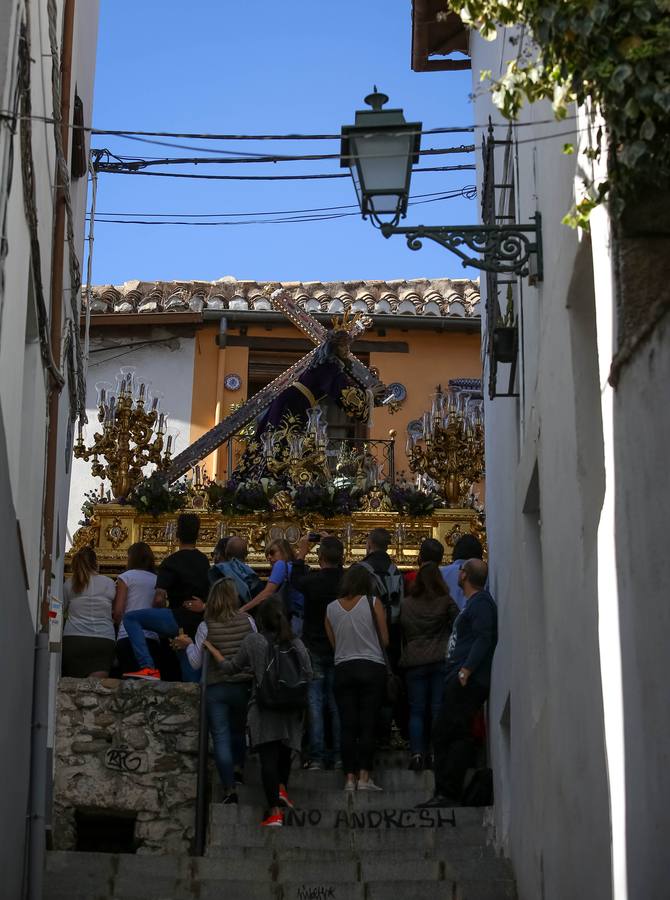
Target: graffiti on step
(316,892)
(123,759)
(372,818)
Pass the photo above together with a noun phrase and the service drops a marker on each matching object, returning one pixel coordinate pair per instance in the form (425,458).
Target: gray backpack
(389,587)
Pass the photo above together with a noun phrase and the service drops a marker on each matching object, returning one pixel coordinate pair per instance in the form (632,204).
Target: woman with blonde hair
(225,626)
(281,556)
(88,636)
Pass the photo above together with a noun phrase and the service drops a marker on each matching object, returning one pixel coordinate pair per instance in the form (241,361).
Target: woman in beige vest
(225,627)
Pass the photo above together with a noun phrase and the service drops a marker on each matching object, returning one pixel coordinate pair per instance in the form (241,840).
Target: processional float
(133,435)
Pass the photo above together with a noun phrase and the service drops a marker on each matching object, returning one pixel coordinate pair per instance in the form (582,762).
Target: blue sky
(265,67)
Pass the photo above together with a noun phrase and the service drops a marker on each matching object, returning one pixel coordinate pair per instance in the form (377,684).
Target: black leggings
(359,691)
(275,760)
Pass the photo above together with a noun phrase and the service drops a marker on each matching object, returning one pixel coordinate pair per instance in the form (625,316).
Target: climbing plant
(617,53)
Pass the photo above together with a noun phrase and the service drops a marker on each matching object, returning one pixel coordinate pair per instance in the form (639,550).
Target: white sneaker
(369,785)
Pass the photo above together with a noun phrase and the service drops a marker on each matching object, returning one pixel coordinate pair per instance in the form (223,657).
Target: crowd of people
(324,664)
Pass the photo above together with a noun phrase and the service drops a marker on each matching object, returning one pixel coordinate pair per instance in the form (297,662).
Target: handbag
(393,681)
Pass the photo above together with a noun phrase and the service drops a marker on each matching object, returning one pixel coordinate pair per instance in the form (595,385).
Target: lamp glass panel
(382,161)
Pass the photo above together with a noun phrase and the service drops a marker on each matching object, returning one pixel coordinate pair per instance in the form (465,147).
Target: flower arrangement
(325,500)
(91,499)
(154,496)
(411,501)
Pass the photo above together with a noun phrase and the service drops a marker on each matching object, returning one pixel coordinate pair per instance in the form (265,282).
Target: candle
(102,491)
(154,404)
(197,476)
(142,389)
(161,421)
(168,446)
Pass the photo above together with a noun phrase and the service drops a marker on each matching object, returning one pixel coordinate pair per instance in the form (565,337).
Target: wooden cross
(237,420)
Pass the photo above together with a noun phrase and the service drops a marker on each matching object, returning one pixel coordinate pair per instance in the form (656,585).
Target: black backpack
(389,587)
(283,686)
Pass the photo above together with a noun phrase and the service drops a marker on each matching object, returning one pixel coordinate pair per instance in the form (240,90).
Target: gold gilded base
(113,528)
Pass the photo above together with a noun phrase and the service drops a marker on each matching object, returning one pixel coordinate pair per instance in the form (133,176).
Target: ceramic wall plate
(232,382)
(399,391)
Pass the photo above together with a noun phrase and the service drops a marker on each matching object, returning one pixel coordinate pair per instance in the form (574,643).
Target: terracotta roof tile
(442,297)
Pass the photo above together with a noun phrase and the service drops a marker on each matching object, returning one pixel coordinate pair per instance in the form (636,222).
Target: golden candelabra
(449,451)
(133,434)
(296,452)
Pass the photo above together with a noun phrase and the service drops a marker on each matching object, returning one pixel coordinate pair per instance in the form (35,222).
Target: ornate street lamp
(380,148)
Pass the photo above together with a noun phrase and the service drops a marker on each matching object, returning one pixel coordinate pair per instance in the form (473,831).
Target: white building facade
(577,499)
(42,214)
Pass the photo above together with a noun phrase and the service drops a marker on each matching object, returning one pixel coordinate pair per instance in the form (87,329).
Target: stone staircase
(333,846)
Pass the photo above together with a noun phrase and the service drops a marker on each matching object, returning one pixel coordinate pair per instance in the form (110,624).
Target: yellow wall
(433,359)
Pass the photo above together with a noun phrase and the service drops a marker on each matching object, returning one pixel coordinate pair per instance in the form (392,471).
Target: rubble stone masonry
(127,749)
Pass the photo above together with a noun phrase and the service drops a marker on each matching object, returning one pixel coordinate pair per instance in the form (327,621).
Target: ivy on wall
(616,53)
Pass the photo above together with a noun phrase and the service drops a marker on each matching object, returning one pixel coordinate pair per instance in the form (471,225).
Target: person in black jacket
(320,587)
(466,688)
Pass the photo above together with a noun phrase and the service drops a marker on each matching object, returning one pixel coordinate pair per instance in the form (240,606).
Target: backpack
(247,582)
(389,587)
(293,600)
(283,686)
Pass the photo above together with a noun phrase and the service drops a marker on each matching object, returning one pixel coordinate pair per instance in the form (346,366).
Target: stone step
(97,876)
(366,811)
(342,838)
(396,779)
(336,798)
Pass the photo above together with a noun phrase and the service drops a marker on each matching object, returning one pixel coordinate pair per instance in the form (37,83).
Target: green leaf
(568,149)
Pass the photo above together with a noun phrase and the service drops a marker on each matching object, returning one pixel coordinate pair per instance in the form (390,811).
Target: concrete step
(390,779)
(98,876)
(366,811)
(342,838)
(323,797)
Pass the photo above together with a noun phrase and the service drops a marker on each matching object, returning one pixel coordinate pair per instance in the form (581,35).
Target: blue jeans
(227,716)
(321,697)
(425,687)
(163,622)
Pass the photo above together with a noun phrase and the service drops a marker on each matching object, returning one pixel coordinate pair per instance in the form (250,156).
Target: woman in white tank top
(360,672)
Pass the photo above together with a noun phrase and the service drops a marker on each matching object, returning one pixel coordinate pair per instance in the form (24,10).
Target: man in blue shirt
(466,547)
(466,688)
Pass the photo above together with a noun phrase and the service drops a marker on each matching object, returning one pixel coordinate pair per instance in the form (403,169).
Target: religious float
(289,475)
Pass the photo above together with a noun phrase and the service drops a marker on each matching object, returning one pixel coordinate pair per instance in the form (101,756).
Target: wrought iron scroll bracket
(504,249)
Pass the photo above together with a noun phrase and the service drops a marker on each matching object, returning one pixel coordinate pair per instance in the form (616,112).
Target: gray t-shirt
(355,632)
(90,613)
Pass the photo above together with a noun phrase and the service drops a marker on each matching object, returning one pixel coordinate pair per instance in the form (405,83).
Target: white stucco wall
(23,425)
(167,364)
(545,487)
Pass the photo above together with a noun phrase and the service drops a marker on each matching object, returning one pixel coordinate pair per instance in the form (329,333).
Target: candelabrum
(449,449)
(297,453)
(134,433)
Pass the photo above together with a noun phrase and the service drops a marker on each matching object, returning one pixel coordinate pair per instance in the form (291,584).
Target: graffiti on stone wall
(124,759)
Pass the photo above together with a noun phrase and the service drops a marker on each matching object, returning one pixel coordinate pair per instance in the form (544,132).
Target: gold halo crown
(351,322)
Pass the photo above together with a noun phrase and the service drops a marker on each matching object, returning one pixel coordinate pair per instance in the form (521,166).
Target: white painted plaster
(167,364)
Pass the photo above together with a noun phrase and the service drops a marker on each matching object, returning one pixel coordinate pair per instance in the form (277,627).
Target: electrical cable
(471,167)
(468,193)
(135,163)
(129,132)
(285,212)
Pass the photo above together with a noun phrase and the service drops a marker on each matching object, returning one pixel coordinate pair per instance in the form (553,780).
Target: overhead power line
(134,163)
(193,175)
(414,198)
(299,215)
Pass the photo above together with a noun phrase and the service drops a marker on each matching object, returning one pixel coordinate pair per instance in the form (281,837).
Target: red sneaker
(145,674)
(275,821)
(284,799)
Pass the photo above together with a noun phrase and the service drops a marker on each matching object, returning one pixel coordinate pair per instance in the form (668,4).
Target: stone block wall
(127,748)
